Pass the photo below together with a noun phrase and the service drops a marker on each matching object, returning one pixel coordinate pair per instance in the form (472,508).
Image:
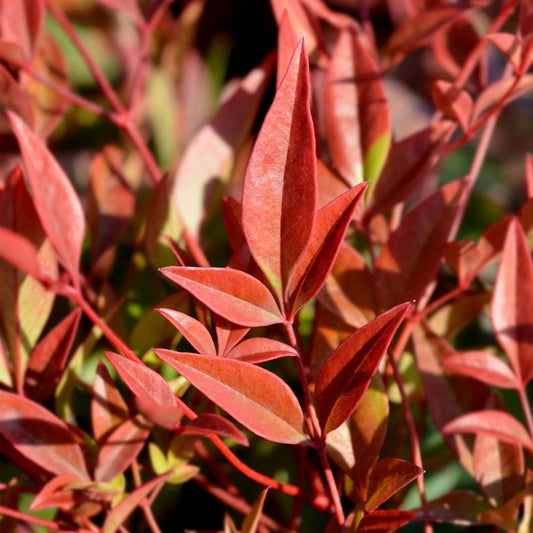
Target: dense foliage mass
(266,266)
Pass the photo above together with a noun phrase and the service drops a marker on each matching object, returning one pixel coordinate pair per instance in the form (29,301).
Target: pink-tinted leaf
(357,120)
(207,424)
(453,102)
(408,163)
(499,424)
(387,478)
(228,334)
(384,521)
(512,303)
(346,374)
(55,199)
(15,97)
(287,42)
(410,260)
(279,196)
(120,448)
(482,366)
(40,436)
(116,518)
(529,175)
(259,350)
(108,409)
(53,494)
(316,262)
(22,23)
(255,397)
(47,361)
(457,507)
(509,45)
(193,330)
(234,295)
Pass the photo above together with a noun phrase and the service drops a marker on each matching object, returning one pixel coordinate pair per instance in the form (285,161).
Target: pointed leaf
(56,201)
(53,494)
(207,424)
(387,478)
(251,521)
(384,521)
(499,424)
(357,120)
(255,397)
(228,334)
(259,350)
(193,330)
(318,259)
(460,507)
(512,303)
(484,367)
(453,102)
(47,361)
(508,45)
(279,196)
(411,258)
(120,448)
(346,374)
(40,436)
(233,294)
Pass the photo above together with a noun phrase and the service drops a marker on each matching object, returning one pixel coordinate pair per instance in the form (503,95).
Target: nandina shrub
(259,291)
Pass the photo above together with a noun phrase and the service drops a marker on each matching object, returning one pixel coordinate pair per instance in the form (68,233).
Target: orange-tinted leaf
(493,422)
(108,409)
(208,424)
(279,197)
(251,520)
(387,478)
(482,366)
(120,448)
(318,258)
(47,360)
(193,330)
(357,118)
(53,494)
(260,349)
(233,294)
(40,436)
(344,377)
(55,199)
(384,521)
(228,334)
(512,303)
(453,102)
(255,397)
(410,260)
(287,42)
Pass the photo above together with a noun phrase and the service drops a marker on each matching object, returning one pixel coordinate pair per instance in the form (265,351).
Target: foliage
(351,337)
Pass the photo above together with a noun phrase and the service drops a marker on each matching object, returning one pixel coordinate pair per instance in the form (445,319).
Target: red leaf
(279,197)
(207,424)
(22,23)
(384,521)
(453,102)
(357,120)
(460,507)
(499,424)
(512,303)
(255,397)
(316,262)
(47,360)
(409,261)
(344,377)
(40,436)
(53,494)
(509,45)
(287,42)
(233,294)
(120,448)
(259,350)
(108,409)
(387,478)
(55,199)
(15,97)
(228,334)
(482,366)
(193,330)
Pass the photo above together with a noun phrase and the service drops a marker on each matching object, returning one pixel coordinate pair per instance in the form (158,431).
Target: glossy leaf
(235,295)
(208,424)
(47,360)
(493,422)
(453,102)
(255,397)
(512,303)
(279,195)
(411,258)
(346,374)
(260,349)
(357,121)
(40,436)
(56,202)
(387,478)
(384,521)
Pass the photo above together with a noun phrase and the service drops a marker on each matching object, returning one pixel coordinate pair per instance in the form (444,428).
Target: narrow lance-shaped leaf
(344,377)
(279,196)
(454,102)
(260,349)
(55,199)
(233,294)
(255,397)
(512,303)
(208,424)
(384,521)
